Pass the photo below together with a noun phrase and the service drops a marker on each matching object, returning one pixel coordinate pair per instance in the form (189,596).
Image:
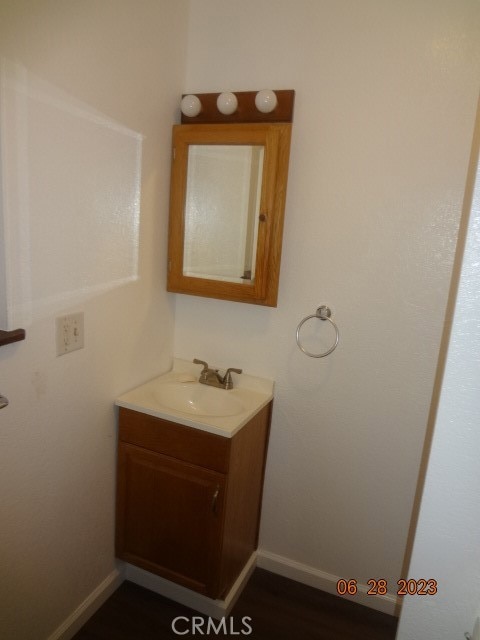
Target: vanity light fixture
(259,140)
(190,106)
(265,106)
(266,100)
(227,103)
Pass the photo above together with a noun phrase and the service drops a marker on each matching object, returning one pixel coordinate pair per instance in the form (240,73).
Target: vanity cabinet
(188,501)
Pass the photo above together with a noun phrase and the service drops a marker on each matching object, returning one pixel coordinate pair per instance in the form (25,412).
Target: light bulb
(266,100)
(227,103)
(190,106)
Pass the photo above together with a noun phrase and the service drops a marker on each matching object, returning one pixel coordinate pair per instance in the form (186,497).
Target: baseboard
(324,581)
(217,608)
(94,601)
(214,608)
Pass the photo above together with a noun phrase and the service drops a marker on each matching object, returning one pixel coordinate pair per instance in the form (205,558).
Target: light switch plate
(69,333)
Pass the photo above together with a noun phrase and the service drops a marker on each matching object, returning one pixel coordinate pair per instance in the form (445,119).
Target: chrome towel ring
(323,313)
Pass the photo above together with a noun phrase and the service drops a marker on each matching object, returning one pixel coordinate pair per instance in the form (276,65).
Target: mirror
(222,206)
(227,202)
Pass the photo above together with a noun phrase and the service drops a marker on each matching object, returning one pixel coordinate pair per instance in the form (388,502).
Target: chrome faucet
(213,378)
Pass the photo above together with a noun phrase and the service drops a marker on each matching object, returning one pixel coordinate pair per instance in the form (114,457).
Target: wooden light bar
(246,111)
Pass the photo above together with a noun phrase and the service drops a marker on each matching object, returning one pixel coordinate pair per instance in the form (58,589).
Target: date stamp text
(380,587)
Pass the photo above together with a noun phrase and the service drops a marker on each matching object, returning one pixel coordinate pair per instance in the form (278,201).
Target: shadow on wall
(69,199)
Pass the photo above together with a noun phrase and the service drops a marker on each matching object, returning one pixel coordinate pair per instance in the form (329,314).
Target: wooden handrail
(6,337)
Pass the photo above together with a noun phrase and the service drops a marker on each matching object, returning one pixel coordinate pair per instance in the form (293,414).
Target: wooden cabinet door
(169,517)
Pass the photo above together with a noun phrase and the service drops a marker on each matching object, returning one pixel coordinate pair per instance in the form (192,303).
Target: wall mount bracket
(6,337)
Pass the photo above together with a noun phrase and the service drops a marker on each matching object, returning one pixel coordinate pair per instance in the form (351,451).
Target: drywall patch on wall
(84,168)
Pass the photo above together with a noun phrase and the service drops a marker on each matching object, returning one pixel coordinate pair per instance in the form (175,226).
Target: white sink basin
(177,396)
(198,399)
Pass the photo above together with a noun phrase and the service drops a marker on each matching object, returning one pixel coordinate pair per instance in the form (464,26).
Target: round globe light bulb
(227,103)
(266,100)
(190,106)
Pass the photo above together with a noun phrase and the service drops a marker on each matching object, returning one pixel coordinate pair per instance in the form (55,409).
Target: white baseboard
(214,608)
(324,581)
(87,608)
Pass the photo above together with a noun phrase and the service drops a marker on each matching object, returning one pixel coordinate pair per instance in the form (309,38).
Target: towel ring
(323,313)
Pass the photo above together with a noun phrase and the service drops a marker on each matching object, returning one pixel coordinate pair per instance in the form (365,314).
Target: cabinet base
(214,608)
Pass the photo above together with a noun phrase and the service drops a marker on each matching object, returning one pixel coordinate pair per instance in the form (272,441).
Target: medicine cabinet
(227,201)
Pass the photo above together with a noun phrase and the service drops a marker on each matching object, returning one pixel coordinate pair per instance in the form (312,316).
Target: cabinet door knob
(214,499)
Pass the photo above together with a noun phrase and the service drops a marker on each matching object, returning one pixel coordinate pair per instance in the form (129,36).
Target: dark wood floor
(272,606)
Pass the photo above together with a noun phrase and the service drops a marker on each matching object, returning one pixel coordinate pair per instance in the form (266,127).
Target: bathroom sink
(177,396)
(198,399)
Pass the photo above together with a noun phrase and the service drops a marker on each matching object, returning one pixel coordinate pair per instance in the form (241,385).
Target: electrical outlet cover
(69,333)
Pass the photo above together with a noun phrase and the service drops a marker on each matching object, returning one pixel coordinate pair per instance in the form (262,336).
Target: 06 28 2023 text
(379,587)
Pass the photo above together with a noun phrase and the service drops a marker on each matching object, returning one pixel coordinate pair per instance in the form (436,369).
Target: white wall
(385,104)
(446,542)
(386,94)
(88,89)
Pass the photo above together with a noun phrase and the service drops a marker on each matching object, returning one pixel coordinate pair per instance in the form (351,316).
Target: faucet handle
(227,378)
(204,371)
(234,371)
(205,365)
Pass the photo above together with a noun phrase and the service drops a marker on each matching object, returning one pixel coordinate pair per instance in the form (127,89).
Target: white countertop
(250,393)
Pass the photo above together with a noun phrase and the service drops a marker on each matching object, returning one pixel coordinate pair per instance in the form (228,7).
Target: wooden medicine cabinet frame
(274,137)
